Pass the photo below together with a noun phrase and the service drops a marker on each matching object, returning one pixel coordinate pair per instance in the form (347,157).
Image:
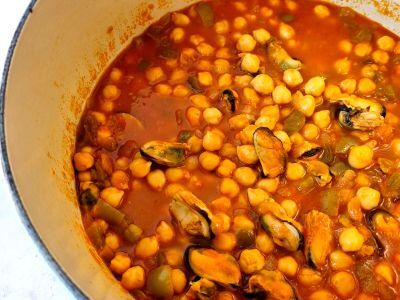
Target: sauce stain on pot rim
(75,290)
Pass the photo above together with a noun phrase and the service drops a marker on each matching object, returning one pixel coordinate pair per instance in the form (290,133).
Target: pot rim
(24,217)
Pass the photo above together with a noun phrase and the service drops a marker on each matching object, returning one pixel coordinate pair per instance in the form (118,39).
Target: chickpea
(239,23)
(309,277)
(345,46)
(155,75)
(115,75)
(305,104)
(83,161)
(173,188)
(395,147)
(120,263)
(225,295)
(220,40)
(380,57)
(178,280)
(205,49)
(238,122)
(164,232)
(343,283)
(250,97)
(286,32)
(246,135)
(221,66)
(173,256)
(385,271)
(322,118)
(140,167)
(268,120)
(386,43)
(295,171)
(251,261)
(339,260)
(246,43)
(200,101)
(257,196)
(342,66)
(209,161)
(321,11)
(290,207)
(315,86)
(225,241)
(195,144)
(284,138)
(245,176)
(213,140)
(112,196)
(147,247)
(360,157)
(229,187)
(180,19)
(193,115)
(261,35)
(288,266)
(310,131)
(225,80)
(369,71)
(292,77)
(350,239)
(264,243)
(181,91)
(177,35)
(220,223)
(362,179)
(163,89)
(175,174)
(228,150)
(362,49)
(263,84)
(250,63)
(195,39)
(369,197)
(221,27)
(268,184)
(366,86)
(205,78)
(322,295)
(120,180)
(348,86)
(134,278)
(226,168)
(242,80)
(281,95)
(221,204)
(112,241)
(247,154)
(84,176)
(156,179)
(111,92)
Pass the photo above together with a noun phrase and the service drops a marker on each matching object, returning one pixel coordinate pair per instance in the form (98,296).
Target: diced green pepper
(330,203)
(168,53)
(244,238)
(184,136)
(206,14)
(287,18)
(195,85)
(294,122)
(344,144)
(143,64)
(159,282)
(105,211)
(96,235)
(89,196)
(339,168)
(306,185)
(132,233)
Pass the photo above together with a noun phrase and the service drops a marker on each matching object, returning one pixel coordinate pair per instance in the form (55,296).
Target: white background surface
(24,274)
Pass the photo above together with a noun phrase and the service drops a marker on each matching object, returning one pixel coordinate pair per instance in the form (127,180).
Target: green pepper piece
(184,136)
(339,168)
(195,85)
(96,235)
(206,14)
(159,282)
(287,18)
(294,122)
(108,213)
(132,233)
(244,238)
(89,197)
(330,203)
(344,144)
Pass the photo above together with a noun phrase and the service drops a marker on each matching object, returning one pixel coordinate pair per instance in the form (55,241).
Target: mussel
(318,238)
(228,101)
(306,151)
(270,152)
(385,228)
(202,289)
(319,170)
(270,285)
(278,55)
(165,153)
(191,214)
(284,233)
(356,113)
(221,268)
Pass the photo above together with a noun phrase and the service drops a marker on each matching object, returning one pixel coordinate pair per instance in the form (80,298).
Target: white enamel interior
(62,50)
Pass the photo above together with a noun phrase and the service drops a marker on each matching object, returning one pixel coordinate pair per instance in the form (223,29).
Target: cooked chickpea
(362,179)
(239,23)
(305,104)
(115,75)
(173,256)
(348,86)
(205,49)
(309,277)
(180,19)
(251,261)
(120,180)
(362,49)
(321,11)
(229,187)
(177,35)
(332,91)
(250,97)
(173,188)
(156,179)
(369,197)
(343,283)
(112,241)
(288,266)
(268,120)
(350,239)
(386,43)
(322,295)
(247,154)
(111,92)
(221,66)
(360,157)
(395,147)
(193,115)
(205,78)
(200,101)
(246,43)
(264,243)
(315,86)
(228,150)
(245,176)
(120,263)
(147,247)
(369,71)
(225,241)
(250,63)
(257,196)
(179,280)
(292,77)
(285,139)
(290,207)
(140,167)
(175,174)
(112,196)
(242,80)
(342,66)
(345,46)
(221,27)
(83,161)
(209,161)
(339,260)
(263,84)
(281,95)
(195,144)
(366,86)
(380,57)
(261,35)
(226,168)
(155,74)
(225,295)
(238,122)
(165,232)
(322,118)
(221,204)
(181,91)
(225,80)
(268,184)
(220,223)
(134,278)
(310,131)
(213,140)
(286,32)
(385,271)
(163,89)
(295,171)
